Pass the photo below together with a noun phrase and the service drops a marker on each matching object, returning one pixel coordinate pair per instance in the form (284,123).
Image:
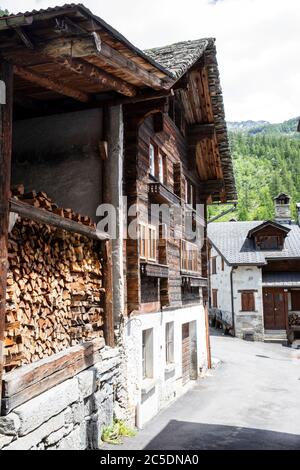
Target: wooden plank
(24,37)
(197,132)
(91,46)
(49,84)
(208,346)
(49,218)
(6,75)
(109,333)
(14,22)
(30,381)
(94,74)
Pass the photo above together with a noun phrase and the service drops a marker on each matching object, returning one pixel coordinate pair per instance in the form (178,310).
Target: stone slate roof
(283,279)
(179,57)
(230,240)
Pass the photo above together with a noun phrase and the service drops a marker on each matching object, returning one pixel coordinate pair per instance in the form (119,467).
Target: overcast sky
(258,44)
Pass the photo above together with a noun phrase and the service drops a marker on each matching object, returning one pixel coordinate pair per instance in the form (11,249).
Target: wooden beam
(211,186)
(96,75)
(91,47)
(24,37)
(15,22)
(31,380)
(49,84)
(6,75)
(158,122)
(49,218)
(197,132)
(109,333)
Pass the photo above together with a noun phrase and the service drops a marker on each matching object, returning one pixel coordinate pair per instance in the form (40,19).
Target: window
(248,301)
(295,297)
(152,158)
(147,354)
(189,256)
(157,164)
(215,298)
(190,193)
(162,168)
(152,243)
(148,242)
(169,343)
(214,265)
(268,242)
(223,264)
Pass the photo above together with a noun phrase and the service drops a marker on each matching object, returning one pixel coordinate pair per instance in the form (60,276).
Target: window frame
(214,297)
(169,343)
(162,171)
(245,303)
(214,265)
(147,354)
(152,159)
(148,242)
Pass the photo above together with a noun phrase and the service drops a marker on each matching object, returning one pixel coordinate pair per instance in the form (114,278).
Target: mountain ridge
(250,127)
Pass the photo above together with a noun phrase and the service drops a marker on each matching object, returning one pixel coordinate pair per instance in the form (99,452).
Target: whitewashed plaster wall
(147,397)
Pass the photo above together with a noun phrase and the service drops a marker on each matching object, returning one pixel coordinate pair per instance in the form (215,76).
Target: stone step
(282,341)
(275,332)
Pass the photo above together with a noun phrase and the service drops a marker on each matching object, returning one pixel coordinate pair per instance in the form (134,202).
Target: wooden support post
(108,286)
(208,348)
(6,75)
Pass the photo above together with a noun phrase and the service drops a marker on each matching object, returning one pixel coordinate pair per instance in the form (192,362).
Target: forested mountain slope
(266,161)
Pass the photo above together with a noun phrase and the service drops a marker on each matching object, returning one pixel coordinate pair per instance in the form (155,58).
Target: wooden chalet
(85,119)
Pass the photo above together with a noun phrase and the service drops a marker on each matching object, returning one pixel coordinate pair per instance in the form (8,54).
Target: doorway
(275,309)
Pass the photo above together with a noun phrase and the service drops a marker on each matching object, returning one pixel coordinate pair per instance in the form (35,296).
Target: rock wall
(70,416)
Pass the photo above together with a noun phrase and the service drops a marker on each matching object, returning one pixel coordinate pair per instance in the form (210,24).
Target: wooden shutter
(248,302)
(215,298)
(214,265)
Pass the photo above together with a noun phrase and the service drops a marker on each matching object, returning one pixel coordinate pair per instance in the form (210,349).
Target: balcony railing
(160,194)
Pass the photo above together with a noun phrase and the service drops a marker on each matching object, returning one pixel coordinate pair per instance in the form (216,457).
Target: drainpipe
(232,299)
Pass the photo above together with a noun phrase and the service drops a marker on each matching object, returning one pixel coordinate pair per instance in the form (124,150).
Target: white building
(255,276)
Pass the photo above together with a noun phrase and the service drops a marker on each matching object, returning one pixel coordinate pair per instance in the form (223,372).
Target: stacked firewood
(54,287)
(294,319)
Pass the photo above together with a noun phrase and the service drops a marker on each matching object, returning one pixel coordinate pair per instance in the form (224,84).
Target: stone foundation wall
(247,323)
(69,416)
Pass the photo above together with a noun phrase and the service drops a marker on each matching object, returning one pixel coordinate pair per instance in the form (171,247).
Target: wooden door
(186,353)
(274,309)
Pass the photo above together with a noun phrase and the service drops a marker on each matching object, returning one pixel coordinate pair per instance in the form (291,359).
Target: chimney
(282,209)
(298,213)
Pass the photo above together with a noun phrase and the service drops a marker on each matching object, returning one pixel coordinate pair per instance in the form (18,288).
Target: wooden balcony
(193,279)
(195,216)
(160,194)
(154,270)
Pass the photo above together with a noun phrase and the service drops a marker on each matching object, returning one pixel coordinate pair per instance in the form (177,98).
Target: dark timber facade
(87,119)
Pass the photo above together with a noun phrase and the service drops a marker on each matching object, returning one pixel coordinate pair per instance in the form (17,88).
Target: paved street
(251,401)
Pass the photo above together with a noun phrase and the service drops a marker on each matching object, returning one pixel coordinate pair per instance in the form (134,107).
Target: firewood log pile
(54,287)
(294,319)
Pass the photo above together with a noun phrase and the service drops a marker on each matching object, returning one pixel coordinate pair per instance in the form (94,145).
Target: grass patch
(113,434)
